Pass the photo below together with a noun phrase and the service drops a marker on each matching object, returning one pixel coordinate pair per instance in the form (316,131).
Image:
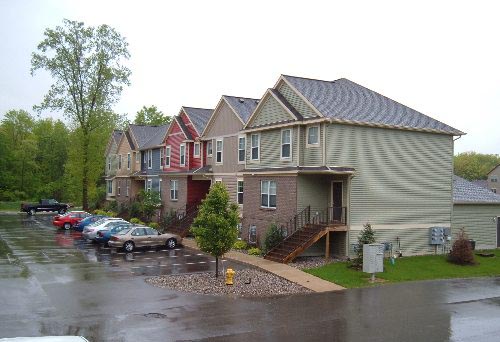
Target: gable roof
(183,128)
(148,136)
(157,136)
(117,134)
(493,169)
(199,117)
(243,106)
(465,192)
(345,101)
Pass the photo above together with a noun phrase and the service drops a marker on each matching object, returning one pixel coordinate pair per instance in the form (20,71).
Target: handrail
(181,215)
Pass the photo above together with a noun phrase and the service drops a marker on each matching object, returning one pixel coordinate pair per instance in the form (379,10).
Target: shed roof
(465,192)
(347,101)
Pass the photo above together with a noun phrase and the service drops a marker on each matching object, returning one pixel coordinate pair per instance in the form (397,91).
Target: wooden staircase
(304,230)
(182,222)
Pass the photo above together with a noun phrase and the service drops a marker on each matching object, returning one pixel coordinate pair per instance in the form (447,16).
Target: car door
(153,237)
(139,237)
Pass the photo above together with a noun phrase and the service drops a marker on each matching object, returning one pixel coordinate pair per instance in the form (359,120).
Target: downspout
(452,174)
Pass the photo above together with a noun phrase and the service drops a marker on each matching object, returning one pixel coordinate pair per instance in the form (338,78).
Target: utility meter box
(437,235)
(373,258)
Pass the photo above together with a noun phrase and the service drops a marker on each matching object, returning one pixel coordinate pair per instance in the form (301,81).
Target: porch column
(327,247)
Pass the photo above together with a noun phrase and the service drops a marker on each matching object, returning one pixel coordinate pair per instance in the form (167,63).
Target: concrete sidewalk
(282,270)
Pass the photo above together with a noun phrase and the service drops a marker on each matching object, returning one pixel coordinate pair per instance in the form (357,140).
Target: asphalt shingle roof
(199,117)
(117,134)
(347,101)
(243,106)
(148,136)
(467,192)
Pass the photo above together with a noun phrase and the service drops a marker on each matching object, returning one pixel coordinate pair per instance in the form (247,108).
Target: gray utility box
(438,235)
(373,258)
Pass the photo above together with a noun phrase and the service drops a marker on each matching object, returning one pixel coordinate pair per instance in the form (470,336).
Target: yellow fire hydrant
(229,276)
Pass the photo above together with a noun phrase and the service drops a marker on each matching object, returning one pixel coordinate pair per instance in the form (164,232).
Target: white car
(90,232)
(46,339)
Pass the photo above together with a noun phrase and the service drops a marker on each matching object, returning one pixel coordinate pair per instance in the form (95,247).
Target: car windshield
(123,232)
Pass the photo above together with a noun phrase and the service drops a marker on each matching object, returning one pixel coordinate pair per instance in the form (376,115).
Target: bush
(366,236)
(240,244)
(274,235)
(255,251)
(153,225)
(461,252)
(135,209)
(105,213)
(135,220)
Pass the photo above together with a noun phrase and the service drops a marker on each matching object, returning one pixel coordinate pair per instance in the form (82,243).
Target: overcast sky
(440,58)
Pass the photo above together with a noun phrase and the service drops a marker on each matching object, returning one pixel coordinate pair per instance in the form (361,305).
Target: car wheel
(67,225)
(32,212)
(128,246)
(171,243)
(62,211)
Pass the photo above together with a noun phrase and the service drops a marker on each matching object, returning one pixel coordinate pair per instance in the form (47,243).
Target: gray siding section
(270,150)
(270,112)
(478,221)
(313,191)
(312,156)
(296,102)
(402,177)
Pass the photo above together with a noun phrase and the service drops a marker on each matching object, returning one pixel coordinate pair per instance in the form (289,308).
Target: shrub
(461,252)
(135,220)
(153,225)
(255,251)
(366,236)
(134,210)
(240,244)
(274,235)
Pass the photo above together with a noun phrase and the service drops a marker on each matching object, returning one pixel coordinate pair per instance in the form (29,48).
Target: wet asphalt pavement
(54,283)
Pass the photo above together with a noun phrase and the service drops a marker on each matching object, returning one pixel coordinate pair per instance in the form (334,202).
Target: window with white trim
(174,190)
(494,179)
(209,148)
(110,186)
(161,157)
(218,180)
(219,146)
(144,157)
(196,152)
(159,188)
(182,155)
(119,161)
(239,191)
(150,159)
(150,185)
(286,143)
(268,194)
(241,149)
(128,187)
(119,189)
(255,146)
(167,156)
(109,163)
(313,135)
(128,161)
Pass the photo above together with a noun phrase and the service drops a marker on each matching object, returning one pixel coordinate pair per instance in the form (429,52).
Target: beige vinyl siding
(313,155)
(230,182)
(270,149)
(315,190)
(229,157)
(402,177)
(414,241)
(478,221)
(296,102)
(270,112)
(224,122)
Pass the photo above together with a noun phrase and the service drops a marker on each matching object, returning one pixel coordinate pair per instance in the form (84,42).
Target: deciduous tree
(151,116)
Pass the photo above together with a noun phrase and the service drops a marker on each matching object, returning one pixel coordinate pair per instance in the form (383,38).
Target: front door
(337,194)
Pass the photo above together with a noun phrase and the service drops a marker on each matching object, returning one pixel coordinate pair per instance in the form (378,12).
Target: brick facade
(254,214)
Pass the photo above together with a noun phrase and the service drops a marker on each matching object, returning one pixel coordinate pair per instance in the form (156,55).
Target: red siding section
(189,125)
(197,190)
(175,139)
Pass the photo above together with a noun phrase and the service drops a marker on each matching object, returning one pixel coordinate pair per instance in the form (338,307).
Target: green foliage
(366,236)
(461,251)
(240,244)
(215,228)
(85,64)
(274,235)
(105,213)
(151,116)
(134,209)
(255,251)
(149,202)
(135,220)
(472,165)
(153,225)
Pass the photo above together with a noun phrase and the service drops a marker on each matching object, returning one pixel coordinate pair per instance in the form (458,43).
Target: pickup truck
(45,205)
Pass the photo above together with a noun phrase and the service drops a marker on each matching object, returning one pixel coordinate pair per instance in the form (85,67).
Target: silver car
(130,239)
(90,232)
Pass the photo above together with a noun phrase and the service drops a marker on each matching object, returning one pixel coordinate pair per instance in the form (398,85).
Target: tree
(274,235)
(366,236)
(86,65)
(472,165)
(461,251)
(151,116)
(215,227)
(150,201)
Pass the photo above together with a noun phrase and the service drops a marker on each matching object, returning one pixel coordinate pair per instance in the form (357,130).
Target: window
(110,187)
(494,179)
(182,155)
(313,135)
(159,188)
(218,180)
(119,188)
(268,194)
(174,190)
(196,153)
(120,161)
(241,149)
(144,154)
(240,192)
(167,156)
(109,163)
(137,157)
(209,148)
(128,187)
(255,146)
(128,161)
(218,151)
(494,190)
(139,232)
(150,159)
(161,157)
(286,143)
(239,226)
(149,185)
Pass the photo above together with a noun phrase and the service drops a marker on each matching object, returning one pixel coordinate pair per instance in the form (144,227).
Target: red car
(70,219)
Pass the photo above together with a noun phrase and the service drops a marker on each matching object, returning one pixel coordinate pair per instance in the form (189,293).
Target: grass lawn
(10,206)
(409,269)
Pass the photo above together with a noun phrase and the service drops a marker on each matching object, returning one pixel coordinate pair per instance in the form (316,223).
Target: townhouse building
(111,163)
(492,181)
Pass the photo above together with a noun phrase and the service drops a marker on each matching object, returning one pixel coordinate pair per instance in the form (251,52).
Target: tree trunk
(85,178)
(216,267)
